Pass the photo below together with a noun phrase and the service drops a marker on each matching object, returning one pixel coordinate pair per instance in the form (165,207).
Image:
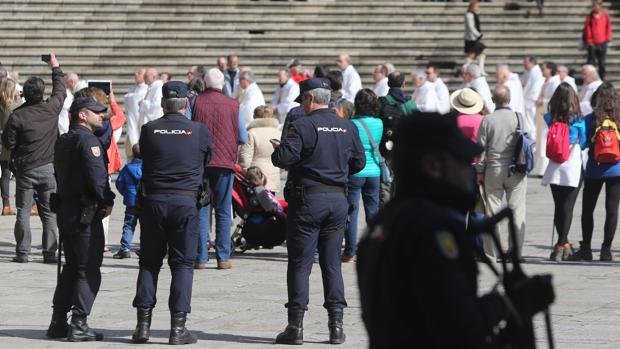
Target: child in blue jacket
(127,185)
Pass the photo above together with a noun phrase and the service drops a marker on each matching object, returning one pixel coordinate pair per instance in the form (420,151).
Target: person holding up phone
(35,125)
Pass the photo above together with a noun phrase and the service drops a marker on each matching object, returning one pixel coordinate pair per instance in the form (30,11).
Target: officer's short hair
(34,88)
(396,80)
(335,80)
(321,96)
(247,75)
(173,105)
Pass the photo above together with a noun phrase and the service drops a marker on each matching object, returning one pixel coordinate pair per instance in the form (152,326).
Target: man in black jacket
(30,134)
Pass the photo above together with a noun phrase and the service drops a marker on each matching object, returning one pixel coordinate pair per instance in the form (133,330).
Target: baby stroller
(260,225)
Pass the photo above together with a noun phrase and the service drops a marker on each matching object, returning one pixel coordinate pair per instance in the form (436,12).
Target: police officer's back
(82,200)
(175,152)
(416,268)
(320,151)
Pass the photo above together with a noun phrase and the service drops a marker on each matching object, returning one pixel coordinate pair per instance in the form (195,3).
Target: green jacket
(349,108)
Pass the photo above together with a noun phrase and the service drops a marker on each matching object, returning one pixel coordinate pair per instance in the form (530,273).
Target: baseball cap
(311,84)
(174,89)
(295,62)
(86,103)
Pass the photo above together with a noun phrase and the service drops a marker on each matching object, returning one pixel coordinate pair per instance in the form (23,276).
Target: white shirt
(533,86)
(571,81)
(482,87)
(381,87)
(443,97)
(352,83)
(132,111)
(516,93)
(150,107)
(63,117)
(548,89)
(425,97)
(585,96)
(283,99)
(252,98)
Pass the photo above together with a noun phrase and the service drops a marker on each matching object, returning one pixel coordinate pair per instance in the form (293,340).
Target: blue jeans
(220,181)
(129,227)
(369,188)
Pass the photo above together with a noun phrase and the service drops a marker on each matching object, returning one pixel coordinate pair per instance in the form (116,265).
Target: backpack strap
(408,108)
(373,145)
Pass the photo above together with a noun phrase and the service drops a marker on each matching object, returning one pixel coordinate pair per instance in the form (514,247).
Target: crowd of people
(575,132)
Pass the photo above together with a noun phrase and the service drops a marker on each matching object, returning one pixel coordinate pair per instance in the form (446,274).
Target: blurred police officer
(175,152)
(416,268)
(83,199)
(320,151)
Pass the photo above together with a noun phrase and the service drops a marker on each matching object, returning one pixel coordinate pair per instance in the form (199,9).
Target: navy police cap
(311,84)
(86,103)
(174,89)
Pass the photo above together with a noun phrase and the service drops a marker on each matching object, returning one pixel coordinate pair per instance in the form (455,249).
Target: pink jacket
(470,124)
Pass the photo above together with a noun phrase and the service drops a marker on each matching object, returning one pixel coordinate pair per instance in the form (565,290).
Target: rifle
(519,331)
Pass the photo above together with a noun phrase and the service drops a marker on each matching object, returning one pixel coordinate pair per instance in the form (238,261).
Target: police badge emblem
(96,151)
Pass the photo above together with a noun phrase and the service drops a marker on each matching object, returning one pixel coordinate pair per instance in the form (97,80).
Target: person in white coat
(352,82)
(472,76)
(424,96)
(132,110)
(441,90)
(552,81)
(564,77)
(72,79)
(381,80)
(591,81)
(504,77)
(533,86)
(283,98)
(150,106)
(251,97)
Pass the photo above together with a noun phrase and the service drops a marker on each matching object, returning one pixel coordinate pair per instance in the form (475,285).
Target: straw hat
(466,101)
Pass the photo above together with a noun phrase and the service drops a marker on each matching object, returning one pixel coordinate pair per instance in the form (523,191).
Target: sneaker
(106,248)
(8,211)
(200,265)
(50,259)
(20,259)
(568,251)
(583,254)
(224,265)
(556,255)
(606,255)
(347,259)
(122,254)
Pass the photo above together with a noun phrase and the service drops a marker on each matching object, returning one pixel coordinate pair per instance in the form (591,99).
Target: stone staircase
(109,39)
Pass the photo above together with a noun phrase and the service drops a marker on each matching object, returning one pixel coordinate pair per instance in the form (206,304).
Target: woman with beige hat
(468,103)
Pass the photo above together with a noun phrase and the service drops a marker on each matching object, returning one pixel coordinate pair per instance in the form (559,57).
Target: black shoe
(59,328)
(606,255)
(21,259)
(50,259)
(583,254)
(143,328)
(336,333)
(121,254)
(80,332)
(293,334)
(178,333)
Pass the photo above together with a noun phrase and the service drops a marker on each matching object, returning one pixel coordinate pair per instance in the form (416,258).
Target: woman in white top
(474,47)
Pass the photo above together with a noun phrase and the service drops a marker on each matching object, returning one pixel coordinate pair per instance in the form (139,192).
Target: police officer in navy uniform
(83,198)
(175,152)
(320,151)
(416,268)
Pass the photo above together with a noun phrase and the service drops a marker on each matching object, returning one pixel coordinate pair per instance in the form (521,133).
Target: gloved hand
(531,295)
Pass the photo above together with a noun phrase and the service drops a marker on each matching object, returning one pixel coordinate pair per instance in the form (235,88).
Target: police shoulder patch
(96,151)
(447,244)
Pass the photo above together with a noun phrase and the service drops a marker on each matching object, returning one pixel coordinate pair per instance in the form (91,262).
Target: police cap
(174,89)
(86,103)
(311,84)
(435,131)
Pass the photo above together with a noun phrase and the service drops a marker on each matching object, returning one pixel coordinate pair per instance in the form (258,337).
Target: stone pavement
(243,307)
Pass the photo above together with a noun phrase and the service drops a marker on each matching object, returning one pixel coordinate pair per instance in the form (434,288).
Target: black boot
(80,332)
(336,333)
(143,328)
(59,328)
(293,333)
(178,333)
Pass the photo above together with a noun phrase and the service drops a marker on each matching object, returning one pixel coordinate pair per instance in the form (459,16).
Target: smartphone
(105,85)
(46,58)
(275,141)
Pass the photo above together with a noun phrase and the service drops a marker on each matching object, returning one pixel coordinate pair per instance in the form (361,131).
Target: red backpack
(558,142)
(605,140)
